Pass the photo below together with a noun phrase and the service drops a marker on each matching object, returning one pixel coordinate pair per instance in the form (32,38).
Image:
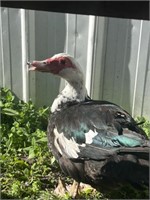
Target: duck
(95,142)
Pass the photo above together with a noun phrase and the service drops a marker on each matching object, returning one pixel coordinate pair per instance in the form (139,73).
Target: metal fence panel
(5,49)
(146,97)
(50,38)
(12,50)
(14,23)
(141,91)
(113,53)
(124,64)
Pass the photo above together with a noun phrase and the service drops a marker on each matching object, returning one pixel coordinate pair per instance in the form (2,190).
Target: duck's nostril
(28,63)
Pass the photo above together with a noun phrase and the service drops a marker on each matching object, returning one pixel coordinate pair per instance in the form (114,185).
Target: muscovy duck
(94,142)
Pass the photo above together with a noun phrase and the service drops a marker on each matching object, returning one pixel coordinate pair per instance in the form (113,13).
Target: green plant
(27,165)
(145,125)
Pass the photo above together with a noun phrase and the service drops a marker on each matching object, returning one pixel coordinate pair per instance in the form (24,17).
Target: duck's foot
(61,188)
(74,189)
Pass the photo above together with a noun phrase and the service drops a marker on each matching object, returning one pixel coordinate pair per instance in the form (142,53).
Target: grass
(28,168)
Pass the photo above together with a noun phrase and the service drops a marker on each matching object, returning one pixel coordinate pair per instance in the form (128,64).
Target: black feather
(118,152)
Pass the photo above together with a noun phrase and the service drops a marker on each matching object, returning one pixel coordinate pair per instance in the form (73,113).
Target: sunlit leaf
(31,153)
(9,111)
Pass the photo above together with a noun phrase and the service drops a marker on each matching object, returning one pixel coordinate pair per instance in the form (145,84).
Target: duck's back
(99,143)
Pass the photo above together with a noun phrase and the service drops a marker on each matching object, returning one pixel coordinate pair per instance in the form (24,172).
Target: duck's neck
(74,91)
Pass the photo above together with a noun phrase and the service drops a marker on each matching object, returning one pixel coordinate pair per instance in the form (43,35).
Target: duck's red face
(53,65)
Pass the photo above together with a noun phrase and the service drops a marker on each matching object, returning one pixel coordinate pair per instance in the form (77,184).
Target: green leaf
(10,112)
(53,160)
(31,153)
(44,139)
(21,163)
(33,142)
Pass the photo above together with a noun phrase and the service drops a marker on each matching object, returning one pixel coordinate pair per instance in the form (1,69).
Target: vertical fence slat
(30,24)
(142,69)
(71,34)
(90,53)
(49,40)
(132,65)
(110,59)
(99,57)
(16,50)
(1,54)
(82,27)
(146,100)
(25,91)
(7,79)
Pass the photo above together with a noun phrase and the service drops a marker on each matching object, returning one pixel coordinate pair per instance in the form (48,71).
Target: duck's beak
(38,66)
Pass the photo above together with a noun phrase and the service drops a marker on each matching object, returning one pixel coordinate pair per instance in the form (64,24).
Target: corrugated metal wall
(114,54)
(124,60)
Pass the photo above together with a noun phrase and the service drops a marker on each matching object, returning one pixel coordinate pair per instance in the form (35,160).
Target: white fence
(114,54)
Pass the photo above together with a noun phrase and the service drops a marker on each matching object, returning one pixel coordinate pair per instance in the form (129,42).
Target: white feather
(69,146)
(74,90)
(89,136)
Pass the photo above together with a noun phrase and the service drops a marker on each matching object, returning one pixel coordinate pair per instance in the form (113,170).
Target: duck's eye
(62,61)
(44,62)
